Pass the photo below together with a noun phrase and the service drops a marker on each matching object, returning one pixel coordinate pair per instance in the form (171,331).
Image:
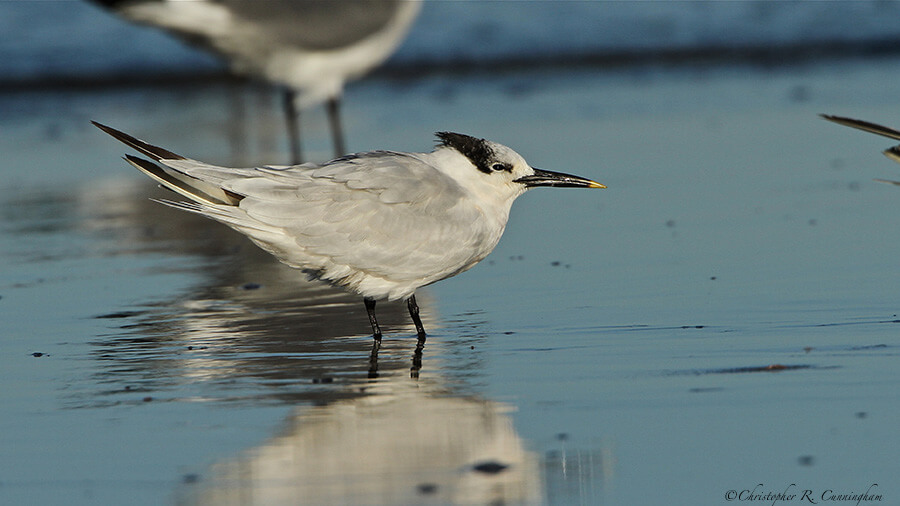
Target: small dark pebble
(147,399)
(37,354)
(562,436)
(251,286)
(806,460)
(490,467)
(190,479)
(317,381)
(861,414)
(808,349)
(471,347)
(119,314)
(427,488)
(693,326)
(508,333)
(712,278)
(670,223)
(556,263)
(765,368)
(127,388)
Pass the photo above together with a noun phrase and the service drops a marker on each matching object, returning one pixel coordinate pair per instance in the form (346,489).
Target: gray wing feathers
(346,221)
(364,218)
(380,223)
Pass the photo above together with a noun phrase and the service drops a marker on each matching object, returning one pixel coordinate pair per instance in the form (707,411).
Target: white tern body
(381,223)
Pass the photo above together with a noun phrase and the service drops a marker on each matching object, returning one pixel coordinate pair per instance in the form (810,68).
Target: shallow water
(724,315)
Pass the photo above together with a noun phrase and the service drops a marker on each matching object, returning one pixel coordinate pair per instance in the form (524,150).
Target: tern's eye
(497,167)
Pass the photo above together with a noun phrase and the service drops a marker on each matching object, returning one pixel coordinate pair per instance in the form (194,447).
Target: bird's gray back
(382,223)
(315,24)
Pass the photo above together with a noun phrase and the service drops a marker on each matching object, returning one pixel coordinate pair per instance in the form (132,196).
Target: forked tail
(174,176)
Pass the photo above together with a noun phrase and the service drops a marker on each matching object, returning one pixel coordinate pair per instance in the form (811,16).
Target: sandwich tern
(380,223)
(310,47)
(893,152)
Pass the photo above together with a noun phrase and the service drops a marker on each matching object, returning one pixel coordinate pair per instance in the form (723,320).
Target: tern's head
(495,166)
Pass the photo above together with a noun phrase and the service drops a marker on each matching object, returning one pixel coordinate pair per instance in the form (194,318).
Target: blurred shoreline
(77,45)
(764,56)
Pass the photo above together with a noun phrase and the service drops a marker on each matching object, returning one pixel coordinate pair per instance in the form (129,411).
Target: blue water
(723,315)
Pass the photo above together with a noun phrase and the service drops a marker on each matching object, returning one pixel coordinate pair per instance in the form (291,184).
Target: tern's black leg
(417,357)
(292,117)
(414,314)
(373,359)
(370,308)
(337,132)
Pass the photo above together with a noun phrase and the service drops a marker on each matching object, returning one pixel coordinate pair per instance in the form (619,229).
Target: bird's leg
(292,116)
(373,359)
(417,357)
(370,308)
(337,132)
(420,332)
(414,314)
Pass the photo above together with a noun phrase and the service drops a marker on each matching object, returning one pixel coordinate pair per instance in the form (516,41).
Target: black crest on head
(478,151)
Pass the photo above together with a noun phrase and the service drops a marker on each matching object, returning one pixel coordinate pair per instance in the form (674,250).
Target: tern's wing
(377,219)
(381,223)
(893,153)
(864,125)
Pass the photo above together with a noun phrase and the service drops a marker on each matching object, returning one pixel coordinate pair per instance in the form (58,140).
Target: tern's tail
(174,171)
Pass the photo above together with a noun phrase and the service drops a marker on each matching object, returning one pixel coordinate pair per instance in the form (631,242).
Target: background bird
(893,152)
(310,47)
(381,224)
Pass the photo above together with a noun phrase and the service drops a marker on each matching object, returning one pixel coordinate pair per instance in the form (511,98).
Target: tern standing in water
(381,224)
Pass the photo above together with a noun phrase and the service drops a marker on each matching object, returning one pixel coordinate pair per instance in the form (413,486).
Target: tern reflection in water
(407,443)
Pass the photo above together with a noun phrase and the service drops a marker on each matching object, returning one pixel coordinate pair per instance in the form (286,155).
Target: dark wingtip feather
(155,152)
(866,126)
